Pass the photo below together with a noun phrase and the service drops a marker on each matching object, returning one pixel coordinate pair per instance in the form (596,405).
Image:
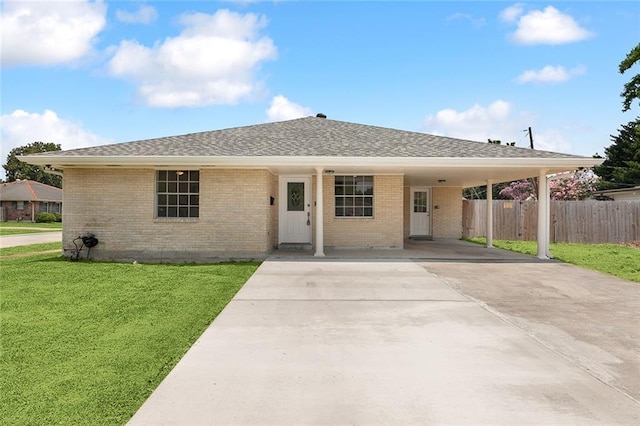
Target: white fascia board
(58,162)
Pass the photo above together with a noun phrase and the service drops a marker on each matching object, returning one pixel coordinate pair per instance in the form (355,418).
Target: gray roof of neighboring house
(29,190)
(310,137)
(618,190)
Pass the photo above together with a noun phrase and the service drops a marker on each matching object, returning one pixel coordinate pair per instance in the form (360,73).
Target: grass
(19,228)
(30,249)
(8,231)
(87,342)
(53,225)
(613,259)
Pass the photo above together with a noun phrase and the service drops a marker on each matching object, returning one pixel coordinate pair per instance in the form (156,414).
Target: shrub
(58,217)
(45,218)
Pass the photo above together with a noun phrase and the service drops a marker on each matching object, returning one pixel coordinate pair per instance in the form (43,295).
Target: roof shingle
(309,137)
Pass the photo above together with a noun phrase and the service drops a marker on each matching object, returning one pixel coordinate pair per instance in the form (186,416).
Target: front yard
(87,342)
(18,228)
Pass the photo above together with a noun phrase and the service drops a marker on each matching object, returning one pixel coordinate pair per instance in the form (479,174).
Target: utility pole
(530,138)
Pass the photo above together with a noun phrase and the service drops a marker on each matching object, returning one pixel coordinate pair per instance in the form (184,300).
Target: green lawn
(18,228)
(613,259)
(13,224)
(24,230)
(32,248)
(87,342)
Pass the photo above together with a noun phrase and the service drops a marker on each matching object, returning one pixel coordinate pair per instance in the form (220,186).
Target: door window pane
(295,196)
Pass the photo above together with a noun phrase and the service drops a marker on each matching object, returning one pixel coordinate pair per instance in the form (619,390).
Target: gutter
(60,162)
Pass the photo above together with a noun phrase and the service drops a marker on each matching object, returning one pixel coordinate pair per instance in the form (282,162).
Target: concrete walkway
(27,239)
(374,342)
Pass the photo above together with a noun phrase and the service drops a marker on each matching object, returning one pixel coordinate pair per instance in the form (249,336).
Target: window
(354,196)
(178,193)
(19,205)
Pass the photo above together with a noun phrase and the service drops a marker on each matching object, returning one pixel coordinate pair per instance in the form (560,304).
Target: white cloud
(282,109)
(475,22)
(549,74)
(477,123)
(48,32)
(21,127)
(212,61)
(511,13)
(547,26)
(552,140)
(144,15)
(499,120)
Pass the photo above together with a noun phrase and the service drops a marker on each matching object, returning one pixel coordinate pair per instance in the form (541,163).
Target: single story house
(621,194)
(25,199)
(244,192)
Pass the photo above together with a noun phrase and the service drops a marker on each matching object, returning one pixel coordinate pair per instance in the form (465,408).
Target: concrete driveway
(409,342)
(27,239)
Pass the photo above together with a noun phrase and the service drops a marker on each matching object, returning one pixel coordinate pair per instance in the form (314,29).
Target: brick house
(25,199)
(311,182)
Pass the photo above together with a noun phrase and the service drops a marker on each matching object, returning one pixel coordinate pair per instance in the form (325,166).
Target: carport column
(489,213)
(543,223)
(319,210)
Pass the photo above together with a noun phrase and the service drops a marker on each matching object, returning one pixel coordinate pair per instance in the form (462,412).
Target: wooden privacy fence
(587,221)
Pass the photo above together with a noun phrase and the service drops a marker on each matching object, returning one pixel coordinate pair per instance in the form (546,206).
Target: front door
(420,212)
(295,209)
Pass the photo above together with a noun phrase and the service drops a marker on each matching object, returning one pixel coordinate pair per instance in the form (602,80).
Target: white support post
(543,223)
(548,218)
(319,216)
(489,229)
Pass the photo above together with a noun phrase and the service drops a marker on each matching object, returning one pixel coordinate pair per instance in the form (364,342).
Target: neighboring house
(24,199)
(624,194)
(311,182)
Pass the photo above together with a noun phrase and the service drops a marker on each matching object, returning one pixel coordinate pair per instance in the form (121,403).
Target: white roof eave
(60,162)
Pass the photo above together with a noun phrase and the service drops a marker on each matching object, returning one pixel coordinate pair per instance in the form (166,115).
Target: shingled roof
(29,190)
(309,137)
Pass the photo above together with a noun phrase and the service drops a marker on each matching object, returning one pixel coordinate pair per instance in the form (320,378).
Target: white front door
(295,209)
(420,212)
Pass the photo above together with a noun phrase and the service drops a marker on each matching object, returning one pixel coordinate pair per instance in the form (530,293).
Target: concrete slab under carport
(361,342)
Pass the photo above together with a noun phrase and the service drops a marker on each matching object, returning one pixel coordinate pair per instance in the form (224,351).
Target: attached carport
(449,172)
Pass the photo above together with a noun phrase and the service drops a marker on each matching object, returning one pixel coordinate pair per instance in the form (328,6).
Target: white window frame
(354,196)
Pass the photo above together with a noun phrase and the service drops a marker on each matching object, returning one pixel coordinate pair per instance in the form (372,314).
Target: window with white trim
(177,193)
(354,196)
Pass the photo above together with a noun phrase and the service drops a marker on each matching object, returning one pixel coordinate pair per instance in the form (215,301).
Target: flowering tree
(574,186)
(519,190)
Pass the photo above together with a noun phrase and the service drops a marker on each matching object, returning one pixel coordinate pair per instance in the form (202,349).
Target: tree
(621,167)
(632,88)
(574,186)
(16,169)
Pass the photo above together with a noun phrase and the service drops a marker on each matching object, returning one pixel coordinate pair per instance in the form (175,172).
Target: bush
(45,218)
(58,217)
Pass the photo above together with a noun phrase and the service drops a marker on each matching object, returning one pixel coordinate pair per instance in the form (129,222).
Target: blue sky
(83,73)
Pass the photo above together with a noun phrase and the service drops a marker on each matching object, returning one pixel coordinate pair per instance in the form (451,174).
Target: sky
(84,73)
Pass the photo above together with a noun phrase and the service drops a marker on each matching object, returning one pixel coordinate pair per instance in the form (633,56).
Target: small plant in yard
(87,342)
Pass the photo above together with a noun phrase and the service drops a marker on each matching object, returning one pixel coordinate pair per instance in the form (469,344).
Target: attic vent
(321,115)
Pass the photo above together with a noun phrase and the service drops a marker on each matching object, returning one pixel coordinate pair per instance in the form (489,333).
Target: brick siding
(118,206)
(384,230)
